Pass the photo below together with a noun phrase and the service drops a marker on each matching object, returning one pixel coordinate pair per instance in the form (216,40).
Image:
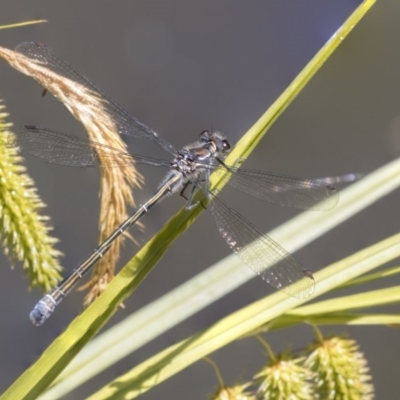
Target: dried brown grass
(116,183)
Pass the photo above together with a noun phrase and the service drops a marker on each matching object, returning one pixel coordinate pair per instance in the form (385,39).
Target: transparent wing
(126,123)
(62,148)
(285,190)
(262,254)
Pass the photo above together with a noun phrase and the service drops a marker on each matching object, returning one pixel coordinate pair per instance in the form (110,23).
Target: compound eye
(205,136)
(225,145)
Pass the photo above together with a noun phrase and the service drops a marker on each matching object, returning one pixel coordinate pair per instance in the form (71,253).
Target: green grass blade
(356,319)
(373,298)
(249,141)
(21,24)
(286,321)
(372,277)
(218,280)
(249,319)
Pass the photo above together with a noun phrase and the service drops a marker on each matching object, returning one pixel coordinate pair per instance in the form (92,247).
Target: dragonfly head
(216,138)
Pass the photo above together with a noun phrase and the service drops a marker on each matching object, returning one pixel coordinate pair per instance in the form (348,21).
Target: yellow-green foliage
(341,370)
(24,233)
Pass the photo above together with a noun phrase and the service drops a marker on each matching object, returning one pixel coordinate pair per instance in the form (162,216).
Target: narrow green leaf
(249,319)
(213,283)
(371,277)
(286,320)
(20,24)
(373,298)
